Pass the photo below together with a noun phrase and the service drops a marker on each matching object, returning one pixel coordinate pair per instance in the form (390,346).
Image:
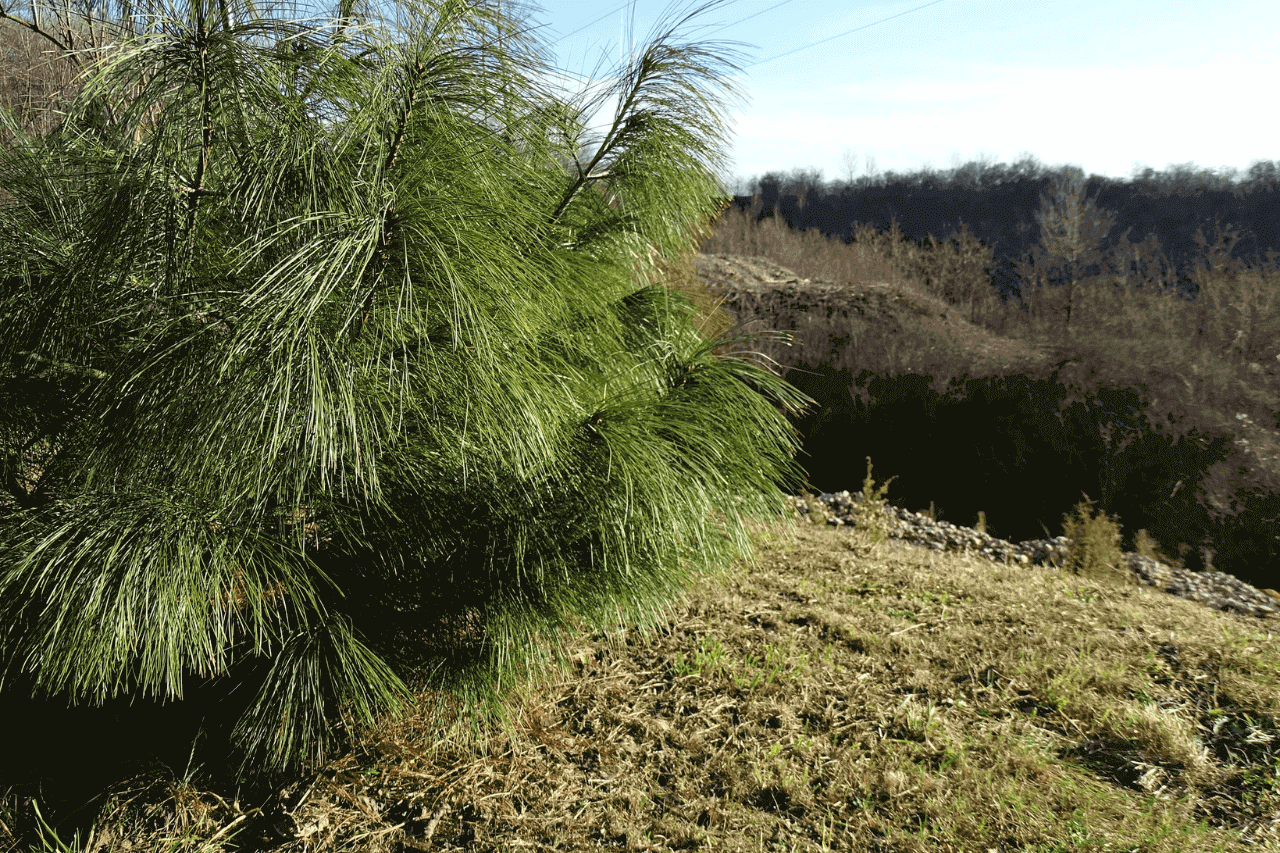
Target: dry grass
(840,694)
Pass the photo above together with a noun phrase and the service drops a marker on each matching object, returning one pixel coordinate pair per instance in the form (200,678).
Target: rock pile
(1218,590)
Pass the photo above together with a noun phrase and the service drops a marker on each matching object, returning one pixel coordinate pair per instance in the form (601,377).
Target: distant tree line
(998,202)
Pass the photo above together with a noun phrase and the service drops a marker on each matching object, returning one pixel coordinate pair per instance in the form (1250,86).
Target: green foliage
(1093,548)
(347,347)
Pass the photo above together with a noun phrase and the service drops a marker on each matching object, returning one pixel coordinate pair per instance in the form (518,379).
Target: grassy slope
(839,695)
(842,694)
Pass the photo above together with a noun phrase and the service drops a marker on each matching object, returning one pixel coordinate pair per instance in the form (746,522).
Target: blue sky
(1106,86)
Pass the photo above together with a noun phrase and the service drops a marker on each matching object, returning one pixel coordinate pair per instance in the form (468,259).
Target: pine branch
(523,440)
(206,121)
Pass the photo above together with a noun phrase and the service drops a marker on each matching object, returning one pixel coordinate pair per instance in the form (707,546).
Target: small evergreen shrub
(871,513)
(1093,548)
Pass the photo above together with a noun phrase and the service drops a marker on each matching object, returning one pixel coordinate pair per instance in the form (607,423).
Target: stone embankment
(1218,590)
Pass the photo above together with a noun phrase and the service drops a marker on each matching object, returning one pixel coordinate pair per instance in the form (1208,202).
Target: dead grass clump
(959,271)
(873,256)
(1144,545)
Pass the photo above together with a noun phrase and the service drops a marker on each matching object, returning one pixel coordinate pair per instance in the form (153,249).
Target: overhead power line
(842,35)
(596,21)
(748,17)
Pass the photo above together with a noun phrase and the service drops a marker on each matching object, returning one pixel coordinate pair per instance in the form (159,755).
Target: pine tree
(343,345)
(1072,229)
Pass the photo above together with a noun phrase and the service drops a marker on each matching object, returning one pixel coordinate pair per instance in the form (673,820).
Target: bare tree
(35,79)
(849,161)
(47,48)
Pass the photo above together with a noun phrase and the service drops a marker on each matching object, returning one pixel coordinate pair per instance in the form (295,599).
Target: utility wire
(596,21)
(842,35)
(749,17)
